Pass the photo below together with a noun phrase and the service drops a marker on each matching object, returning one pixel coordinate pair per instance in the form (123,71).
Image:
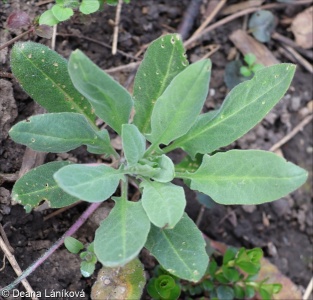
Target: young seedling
(64,9)
(168,98)
(252,67)
(233,279)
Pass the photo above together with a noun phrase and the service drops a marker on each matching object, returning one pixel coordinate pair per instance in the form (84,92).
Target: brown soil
(283,229)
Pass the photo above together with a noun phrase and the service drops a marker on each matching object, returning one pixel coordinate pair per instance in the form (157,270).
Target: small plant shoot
(169,94)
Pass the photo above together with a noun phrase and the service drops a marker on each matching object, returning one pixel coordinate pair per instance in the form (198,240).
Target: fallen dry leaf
(302,28)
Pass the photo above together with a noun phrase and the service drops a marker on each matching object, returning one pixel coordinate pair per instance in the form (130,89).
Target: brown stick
(292,133)
(16,267)
(116,26)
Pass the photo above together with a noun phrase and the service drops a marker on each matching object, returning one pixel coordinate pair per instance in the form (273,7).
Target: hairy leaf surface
(38,184)
(43,74)
(181,250)
(89,183)
(244,107)
(164,203)
(60,132)
(163,60)
(111,102)
(177,108)
(134,143)
(246,177)
(122,234)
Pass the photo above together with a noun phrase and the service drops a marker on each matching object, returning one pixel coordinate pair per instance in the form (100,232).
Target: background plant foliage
(168,99)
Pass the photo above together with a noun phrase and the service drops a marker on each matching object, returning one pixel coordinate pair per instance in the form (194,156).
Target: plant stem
(181,175)
(79,222)
(8,43)
(124,188)
(169,148)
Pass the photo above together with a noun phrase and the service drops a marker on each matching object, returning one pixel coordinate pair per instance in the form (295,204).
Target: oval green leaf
(89,183)
(59,132)
(134,143)
(43,74)
(163,60)
(181,250)
(164,203)
(122,234)
(61,13)
(38,185)
(111,102)
(244,107)
(246,177)
(89,6)
(176,109)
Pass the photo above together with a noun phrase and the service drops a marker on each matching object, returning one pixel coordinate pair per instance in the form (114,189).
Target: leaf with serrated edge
(89,183)
(163,60)
(246,177)
(177,108)
(111,102)
(181,250)
(244,107)
(134,143)
(57,132)
(122,234)
(38,184)
(164,203)
(35,63)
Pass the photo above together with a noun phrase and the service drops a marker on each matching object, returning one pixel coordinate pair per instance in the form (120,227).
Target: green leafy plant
(168,98)
(88,257)
(64,9)
(234,278)
(252,67)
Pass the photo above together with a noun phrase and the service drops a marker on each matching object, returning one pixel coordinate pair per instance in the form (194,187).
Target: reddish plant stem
(81,220)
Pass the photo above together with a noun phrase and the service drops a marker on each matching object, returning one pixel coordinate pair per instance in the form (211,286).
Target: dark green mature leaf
(89,183)
(164,203)
(225,292)
(122,234)
(111,102)
(245,106)
(38,184)
(43,74)
(181,250)
(176,109)
(60,132)
(134,143)
(246,177)
(163,60)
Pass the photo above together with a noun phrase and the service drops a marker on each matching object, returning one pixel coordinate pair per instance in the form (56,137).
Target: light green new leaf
(122,234)
(89,6)
(167,169)
(164,203)
(38,184)
(244,107)
(62,13)
(163,60)
(89,183)
(181,250)
(59,132)
(111,102)
(134,143)
(43,74)
(177,108)
(246,177)
(48,18)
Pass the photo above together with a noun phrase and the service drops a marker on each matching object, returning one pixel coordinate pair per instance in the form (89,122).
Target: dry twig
(292,133)
(16,267)
(116,26)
